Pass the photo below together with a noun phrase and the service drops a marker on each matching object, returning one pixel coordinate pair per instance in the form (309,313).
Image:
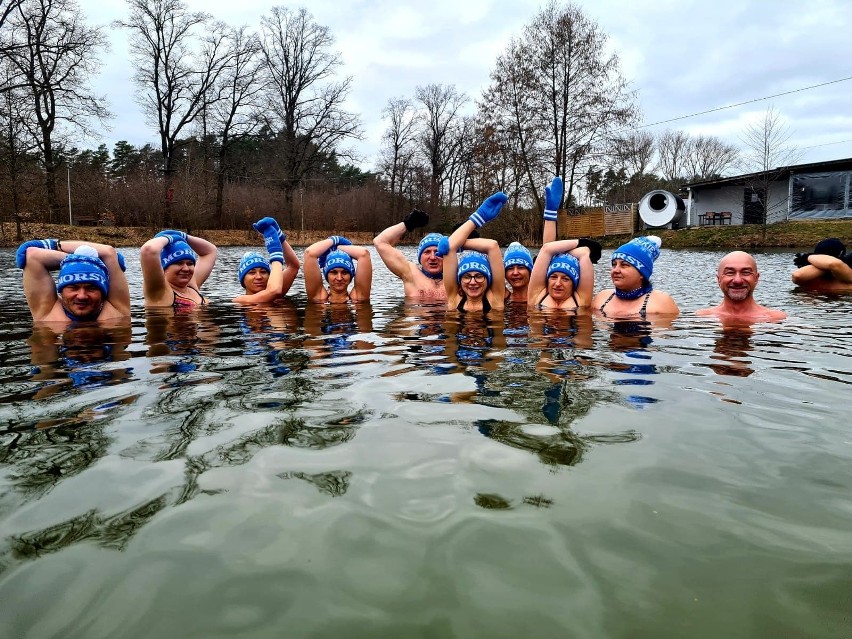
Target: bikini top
(486,305)
(642,311)
(182,302)
(576,303)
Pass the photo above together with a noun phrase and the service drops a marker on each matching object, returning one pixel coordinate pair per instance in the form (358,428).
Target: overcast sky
(680,56)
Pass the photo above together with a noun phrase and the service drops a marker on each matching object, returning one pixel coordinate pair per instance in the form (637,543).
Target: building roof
(780,173)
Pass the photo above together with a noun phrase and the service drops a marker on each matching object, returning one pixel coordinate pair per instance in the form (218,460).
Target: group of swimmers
(467,272)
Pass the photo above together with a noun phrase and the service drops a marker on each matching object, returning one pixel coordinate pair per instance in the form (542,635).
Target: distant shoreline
(791,235)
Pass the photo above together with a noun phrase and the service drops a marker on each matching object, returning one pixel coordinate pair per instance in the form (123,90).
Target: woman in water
(334,260)
(174,267)
(634,295)
(266,280)
(563,276)
(476,280)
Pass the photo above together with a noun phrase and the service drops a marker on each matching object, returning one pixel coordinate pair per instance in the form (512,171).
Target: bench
(711,218)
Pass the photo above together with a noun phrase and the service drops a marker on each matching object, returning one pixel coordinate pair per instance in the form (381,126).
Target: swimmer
(634,295)
(737,276)
(563,276)
(827,270)
(91,285)
(476,280)
(334,259)
(267,280)
(421,281)
(174,267)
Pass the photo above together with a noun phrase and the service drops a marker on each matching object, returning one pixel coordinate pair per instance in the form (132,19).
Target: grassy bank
(783,235)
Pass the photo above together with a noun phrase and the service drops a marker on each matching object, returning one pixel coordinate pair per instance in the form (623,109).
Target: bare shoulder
(602,296)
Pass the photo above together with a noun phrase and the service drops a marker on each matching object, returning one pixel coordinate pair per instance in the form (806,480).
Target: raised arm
(39,287)
(385,243)
(153,279)
(313,274)
(497,289)
(538,277)
(552,200)
(272,290)
(363,272)
(841,271)
(206,252)
(586,287)
(291,267)
(119,289)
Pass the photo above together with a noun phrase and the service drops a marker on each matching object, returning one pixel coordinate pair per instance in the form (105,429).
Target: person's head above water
(737,276)
(472,271)
(518,264)
(253,263)
(83,282)
(830,246)
(430,263)
(640,253)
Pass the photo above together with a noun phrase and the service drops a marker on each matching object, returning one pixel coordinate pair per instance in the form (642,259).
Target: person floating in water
(476,280)
(737,276)
(634,295)
(91,285)
(174,268)
(827,270)
(421,281)
(563,276)
(334,259)
(266,280)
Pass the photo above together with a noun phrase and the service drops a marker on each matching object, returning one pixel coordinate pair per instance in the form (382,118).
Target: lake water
(403,472)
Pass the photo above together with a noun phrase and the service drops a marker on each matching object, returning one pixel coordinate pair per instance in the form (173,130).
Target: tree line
(250,122)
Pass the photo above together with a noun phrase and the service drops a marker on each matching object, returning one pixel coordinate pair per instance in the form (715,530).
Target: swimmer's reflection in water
(331,329)
(73,356)
(170,333)
(272,330)
(732,347)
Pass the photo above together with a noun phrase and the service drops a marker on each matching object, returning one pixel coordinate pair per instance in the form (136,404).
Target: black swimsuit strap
(642,311)
(605,303)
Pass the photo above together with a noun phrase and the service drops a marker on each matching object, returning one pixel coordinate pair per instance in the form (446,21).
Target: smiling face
(255,280)
(81,299)
(338,280)
(559,286)
(625,277)
(737,276)
(518,276)
(474,284)
(430,262)
(179,274)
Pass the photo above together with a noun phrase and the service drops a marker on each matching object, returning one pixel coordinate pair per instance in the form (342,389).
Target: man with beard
(737,277)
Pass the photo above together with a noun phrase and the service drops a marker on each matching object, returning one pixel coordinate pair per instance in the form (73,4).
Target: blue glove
(338,240)
(273,245)
(21,254)
(282,236)
(443,247)
(121,263)
(552,199)
(489,209)
(172,235)
(265,223)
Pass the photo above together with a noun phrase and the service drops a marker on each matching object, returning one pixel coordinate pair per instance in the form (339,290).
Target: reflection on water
(499,475)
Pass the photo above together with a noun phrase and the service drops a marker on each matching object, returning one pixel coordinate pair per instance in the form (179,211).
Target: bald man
(737,276)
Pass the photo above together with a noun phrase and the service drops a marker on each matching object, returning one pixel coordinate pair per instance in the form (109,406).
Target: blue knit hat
(641,253)
(474,262)
(566,264)
(338,259)
(517,255)
(250,260)
(83,267)
(428,240)
(175,252)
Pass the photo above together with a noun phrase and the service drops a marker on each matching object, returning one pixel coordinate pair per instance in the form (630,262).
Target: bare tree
(178,57)
(709,157)
(766,151)
(304,99)
(54,55)
(438,118)
(573,91)
(672,150)
(236,102)
(634,151)
(398,140)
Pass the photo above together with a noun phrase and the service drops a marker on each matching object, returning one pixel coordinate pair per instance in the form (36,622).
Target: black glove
(415,220)
(801,259)
(594,248)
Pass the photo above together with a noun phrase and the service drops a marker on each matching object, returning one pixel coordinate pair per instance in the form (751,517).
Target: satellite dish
(661,208)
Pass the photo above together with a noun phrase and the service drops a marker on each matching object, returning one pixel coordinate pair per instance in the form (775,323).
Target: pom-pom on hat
(175,252)
(474,262)
(518,255)
(830,246)
(567,264)
(430,239)
(251,260)
(338,259)
(641,253)
(83,267)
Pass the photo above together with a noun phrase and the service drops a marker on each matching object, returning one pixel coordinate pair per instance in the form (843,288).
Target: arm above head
(153,279)
(119,289)
(460,237)
(363,272)
(385,243)
(206,252)
(291,267)
(39,287)
(586,287)
(841,271)
(272,290)
(314,288)
(498,274)
(555,248)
